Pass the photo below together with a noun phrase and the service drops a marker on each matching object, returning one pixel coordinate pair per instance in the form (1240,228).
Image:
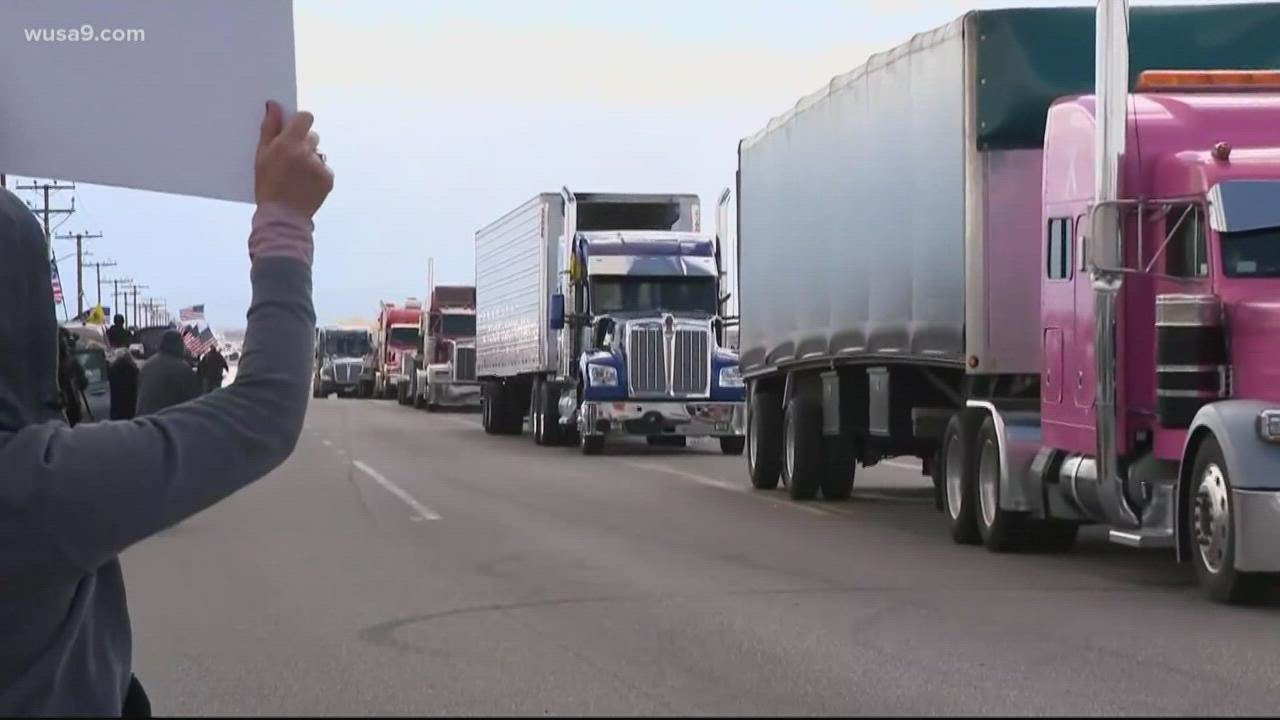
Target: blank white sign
(149,94)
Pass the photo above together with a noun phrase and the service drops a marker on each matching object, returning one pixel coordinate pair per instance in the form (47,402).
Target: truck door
(1057,307)
(1081,373)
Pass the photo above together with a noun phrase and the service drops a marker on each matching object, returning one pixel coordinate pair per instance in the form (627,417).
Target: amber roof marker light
(1207,80)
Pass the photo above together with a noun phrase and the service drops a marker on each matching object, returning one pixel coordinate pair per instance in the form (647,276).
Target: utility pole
(46,211)
(115,295)
(80,238)
(97,270)
(137,319)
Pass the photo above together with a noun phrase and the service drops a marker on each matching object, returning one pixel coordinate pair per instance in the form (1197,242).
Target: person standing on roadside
(73,499)
(117,335)
(122,375)
(167,379)
(212,367)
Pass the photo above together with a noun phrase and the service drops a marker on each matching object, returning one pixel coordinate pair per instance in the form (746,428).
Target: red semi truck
(1067,305)
(444,373)
(398,334)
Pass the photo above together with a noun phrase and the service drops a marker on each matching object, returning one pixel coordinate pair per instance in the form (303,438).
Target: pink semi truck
(1067,305)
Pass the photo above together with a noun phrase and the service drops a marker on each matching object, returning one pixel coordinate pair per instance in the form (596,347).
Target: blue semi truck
(603,314)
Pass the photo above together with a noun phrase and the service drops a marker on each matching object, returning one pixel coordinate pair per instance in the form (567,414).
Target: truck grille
(646,361)
(464,363)
(649,356)
(691,360)
(346,372)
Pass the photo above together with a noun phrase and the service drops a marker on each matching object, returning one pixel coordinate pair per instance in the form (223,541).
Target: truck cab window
(1185,254)
(1058,256)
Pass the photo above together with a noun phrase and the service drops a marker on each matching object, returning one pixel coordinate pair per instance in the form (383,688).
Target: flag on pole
(191,314)
(197,342)
(57,284)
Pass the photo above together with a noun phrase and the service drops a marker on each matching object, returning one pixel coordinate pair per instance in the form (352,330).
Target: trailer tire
(402,392)
(732,445)
(419,400)
(513,410)
(802,459)
(959,484)
(544,416)
(592,444)
(1001,530)
(316,390)
(490,402)
(837,468)
(764,440)
(1211,523)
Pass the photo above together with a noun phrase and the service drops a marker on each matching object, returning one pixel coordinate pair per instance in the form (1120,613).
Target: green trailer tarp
(1028,57)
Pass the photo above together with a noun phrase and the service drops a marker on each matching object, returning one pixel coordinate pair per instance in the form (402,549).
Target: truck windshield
(347,344)
(1252,254)
(613,294)
(458,325)
(403,337)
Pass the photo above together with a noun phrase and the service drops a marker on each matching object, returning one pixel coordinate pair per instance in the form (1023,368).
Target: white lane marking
(424,512)
(326,443)
(723,485)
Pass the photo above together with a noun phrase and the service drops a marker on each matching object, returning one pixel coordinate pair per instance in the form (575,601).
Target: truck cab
(398,341)
(341,364)
(646,334)
(641,327)
(446,369)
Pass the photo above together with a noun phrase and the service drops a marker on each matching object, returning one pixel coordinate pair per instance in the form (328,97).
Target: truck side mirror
(555,319)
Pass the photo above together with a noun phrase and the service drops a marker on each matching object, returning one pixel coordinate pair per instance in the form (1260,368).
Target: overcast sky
(440,116)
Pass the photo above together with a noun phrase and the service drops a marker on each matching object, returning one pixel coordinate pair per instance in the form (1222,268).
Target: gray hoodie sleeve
(95,489)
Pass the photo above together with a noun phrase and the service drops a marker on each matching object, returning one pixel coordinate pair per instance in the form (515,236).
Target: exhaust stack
(1111,80)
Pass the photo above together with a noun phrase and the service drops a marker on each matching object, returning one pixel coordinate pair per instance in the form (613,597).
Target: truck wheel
(490,402)
(764,440)
(419,401)
(316,390)
(1212,527)
(549,400)
(838,468)
(592,444)
(732,445)
(1001,530)
(402,393)
(802,448)
(959,485)
(514,408)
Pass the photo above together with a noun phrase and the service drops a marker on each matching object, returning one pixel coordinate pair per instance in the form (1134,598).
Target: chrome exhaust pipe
(1115,504)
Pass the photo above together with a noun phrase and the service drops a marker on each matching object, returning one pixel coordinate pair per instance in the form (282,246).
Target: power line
(80,238)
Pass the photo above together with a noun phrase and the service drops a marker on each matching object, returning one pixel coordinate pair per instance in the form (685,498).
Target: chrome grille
(691,362)
(646,361)
(668,365)
(464,363)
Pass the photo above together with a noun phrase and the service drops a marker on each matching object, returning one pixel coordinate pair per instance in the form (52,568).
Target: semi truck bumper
(1257,518)
(695,418)
(454,394)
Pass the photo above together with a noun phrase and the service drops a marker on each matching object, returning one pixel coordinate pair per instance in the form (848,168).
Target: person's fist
(288,169)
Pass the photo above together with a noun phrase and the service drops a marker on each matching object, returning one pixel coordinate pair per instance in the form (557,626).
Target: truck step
(1149,538)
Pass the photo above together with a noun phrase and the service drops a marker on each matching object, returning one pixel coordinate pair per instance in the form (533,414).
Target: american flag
(57,284)
(196,341)
(191,314)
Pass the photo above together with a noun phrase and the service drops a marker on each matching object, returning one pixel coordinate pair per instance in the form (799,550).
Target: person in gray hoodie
(167,379)
(72,499)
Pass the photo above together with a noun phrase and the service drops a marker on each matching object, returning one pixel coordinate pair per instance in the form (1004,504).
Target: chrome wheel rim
(751,443)
(1211,520)
(989,481)
(955,475)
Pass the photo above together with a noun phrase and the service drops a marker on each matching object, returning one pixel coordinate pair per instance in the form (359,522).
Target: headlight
(731,377)
(602,375)
(1269,425)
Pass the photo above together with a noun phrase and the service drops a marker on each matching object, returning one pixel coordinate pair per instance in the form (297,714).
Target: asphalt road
(404,562)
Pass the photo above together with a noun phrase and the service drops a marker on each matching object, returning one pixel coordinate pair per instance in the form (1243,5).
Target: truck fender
(1253,463)
(1018,435)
